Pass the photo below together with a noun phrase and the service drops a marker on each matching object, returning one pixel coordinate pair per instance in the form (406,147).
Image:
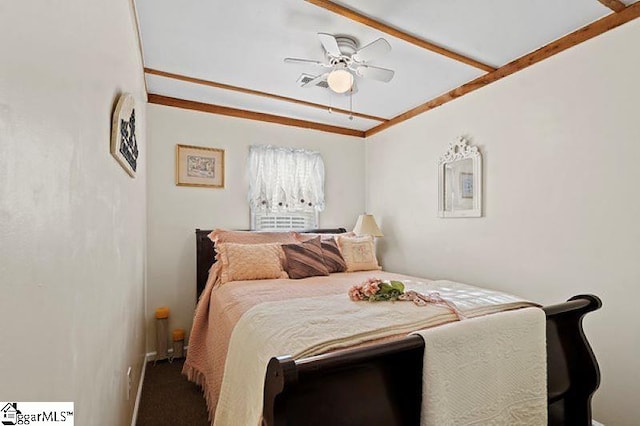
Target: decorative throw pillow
(359,253)
(250,261)
(305,259)
(332,256)
(251,237)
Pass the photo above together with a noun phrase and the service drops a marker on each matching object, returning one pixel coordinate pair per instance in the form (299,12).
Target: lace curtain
(285,179)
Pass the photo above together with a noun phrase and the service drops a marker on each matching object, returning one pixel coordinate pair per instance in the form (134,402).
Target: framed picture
(199,166)
(124,146)
(466,185)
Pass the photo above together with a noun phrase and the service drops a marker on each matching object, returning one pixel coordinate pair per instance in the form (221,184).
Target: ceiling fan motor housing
(347,45)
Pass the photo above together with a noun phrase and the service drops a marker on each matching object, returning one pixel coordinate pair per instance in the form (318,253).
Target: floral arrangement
(376,290)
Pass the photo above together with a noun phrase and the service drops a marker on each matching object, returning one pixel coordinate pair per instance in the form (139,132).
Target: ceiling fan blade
(330,44)
(372,50)
(305,61)
(375,73)
(316,80)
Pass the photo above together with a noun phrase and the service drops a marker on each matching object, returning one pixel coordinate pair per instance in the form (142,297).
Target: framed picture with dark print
(199,166)
(124,145)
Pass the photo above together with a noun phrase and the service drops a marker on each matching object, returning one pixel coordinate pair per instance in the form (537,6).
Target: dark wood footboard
(382,384)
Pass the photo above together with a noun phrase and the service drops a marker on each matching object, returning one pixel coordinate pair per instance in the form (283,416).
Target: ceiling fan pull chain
(351,103)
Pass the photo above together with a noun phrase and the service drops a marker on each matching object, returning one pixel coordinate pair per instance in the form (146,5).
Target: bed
(387,376)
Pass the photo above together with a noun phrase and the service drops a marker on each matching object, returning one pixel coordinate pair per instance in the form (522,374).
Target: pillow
(305,259)
(306,236)
(332,256)
(359,253)
(250,261)
(251,237)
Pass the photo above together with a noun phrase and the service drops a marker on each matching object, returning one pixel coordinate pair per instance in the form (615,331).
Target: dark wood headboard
(206,253)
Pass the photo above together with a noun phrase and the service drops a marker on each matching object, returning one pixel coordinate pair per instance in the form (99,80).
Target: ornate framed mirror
(460,181)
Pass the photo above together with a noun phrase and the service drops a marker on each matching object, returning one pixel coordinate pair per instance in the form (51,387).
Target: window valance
(285,179)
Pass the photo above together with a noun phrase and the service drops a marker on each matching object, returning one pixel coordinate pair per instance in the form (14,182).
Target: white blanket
(489,370)
(310,326)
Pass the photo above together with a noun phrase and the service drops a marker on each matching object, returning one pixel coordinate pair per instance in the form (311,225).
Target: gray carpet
(168,398)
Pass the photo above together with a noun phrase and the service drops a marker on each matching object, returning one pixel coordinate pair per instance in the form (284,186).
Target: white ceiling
(243,43)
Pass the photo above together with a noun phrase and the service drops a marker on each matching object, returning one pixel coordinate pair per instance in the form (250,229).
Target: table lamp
(366,225)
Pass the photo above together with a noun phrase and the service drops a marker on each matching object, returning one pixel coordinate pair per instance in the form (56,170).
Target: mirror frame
(459,150)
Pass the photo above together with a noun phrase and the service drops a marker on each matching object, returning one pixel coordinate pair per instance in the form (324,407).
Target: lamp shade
(366,225)
(340,80)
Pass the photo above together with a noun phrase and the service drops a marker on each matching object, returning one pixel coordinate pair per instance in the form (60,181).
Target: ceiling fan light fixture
(340,80)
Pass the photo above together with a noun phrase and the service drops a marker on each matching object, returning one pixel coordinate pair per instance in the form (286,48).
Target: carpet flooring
(168,398)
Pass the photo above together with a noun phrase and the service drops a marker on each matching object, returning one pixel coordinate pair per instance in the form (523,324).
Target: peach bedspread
(221,307)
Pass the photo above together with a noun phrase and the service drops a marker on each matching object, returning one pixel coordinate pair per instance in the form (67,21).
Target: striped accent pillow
(332,256)
(305,259)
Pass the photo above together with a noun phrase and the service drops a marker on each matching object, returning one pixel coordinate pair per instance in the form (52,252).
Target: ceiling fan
(345,61)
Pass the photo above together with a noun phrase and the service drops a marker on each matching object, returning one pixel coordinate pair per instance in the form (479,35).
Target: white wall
(175,212)
(561,152)
(72,222)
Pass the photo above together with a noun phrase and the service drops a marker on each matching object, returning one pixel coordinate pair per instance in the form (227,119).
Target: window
(286,187)
(265,221)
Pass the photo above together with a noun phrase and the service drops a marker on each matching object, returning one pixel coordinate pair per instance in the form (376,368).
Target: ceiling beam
(615,5)
(585,33)
(251,115)
(259,93)
(394,32)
